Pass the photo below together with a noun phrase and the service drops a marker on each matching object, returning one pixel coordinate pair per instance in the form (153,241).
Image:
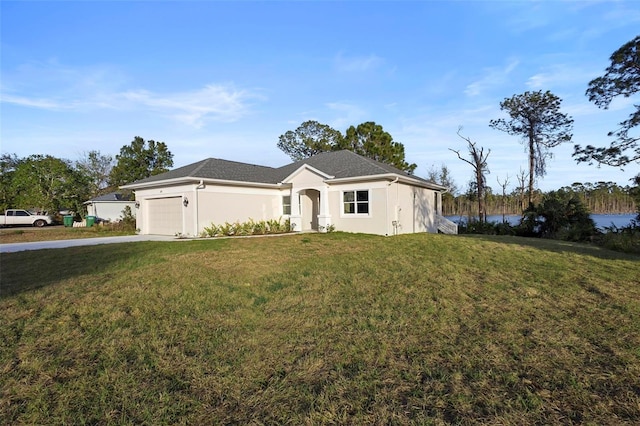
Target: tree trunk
(532,166)
(481,205)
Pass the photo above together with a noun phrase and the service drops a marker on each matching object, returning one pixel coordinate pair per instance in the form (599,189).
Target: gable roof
(338,164)
(217,169)
(345,164)
(112,196)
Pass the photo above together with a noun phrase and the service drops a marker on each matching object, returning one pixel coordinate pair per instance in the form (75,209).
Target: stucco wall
(218,206)
(394,208)
(416,209)
(143,213)
(374,223)
(411,208)
(111,211)
(306,178)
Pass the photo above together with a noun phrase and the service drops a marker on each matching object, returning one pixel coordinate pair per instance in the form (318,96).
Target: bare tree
(503,185)
(96,167)
(480,168)
(522,177)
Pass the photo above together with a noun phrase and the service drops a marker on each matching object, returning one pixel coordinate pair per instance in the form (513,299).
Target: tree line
(598,198)
(48,184)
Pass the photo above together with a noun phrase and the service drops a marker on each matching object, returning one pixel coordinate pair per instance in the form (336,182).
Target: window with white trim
(286,204)
(355,202)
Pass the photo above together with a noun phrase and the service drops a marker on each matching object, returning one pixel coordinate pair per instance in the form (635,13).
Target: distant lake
(601,220)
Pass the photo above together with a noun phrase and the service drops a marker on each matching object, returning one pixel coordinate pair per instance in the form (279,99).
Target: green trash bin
(90,221)
(67,220)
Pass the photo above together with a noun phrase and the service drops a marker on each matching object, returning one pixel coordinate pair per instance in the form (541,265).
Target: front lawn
(49,233)
(321,329)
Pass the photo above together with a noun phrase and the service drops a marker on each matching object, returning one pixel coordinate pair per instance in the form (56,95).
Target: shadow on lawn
(29,270)
(556,246)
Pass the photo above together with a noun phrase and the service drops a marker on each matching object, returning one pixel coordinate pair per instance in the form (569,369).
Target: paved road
(38,245)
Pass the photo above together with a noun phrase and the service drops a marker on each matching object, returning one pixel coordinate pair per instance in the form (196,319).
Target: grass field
(321,329)
(49,233)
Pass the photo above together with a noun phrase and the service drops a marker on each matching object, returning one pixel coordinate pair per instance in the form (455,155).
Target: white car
(17,217)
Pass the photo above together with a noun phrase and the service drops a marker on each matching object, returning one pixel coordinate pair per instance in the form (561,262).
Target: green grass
(48,233)
(321,329)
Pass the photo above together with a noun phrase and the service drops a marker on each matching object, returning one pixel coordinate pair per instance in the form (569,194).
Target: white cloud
(357,63)
(493,78)
(561,75)
(349,114)
(195,108)
(49,104)
(66,89)
(623,16)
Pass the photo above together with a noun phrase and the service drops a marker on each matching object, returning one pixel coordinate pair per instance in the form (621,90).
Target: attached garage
(165,216)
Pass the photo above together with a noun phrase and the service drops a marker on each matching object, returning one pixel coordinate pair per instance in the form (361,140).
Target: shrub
(560,215)
(251,227)
(127,223)
(128,219)
(260,228)
(211,231)
(485,228)
(625,239)
(274,226)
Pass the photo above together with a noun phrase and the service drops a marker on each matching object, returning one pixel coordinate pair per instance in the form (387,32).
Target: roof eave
(389,177)
(108,201)
(197,180)
(306,167)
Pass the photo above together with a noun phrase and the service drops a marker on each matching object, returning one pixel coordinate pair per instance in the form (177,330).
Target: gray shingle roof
(215,168)
(339,164)
(114,196)
(344,164)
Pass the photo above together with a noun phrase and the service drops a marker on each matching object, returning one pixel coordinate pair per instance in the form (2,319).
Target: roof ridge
(378,164)
(200,166)
(241,162)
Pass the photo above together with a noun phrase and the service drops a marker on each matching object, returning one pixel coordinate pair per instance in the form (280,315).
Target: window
(286,204)
(355,202)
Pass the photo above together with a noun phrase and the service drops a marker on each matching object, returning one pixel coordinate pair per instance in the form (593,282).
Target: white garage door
(165,216)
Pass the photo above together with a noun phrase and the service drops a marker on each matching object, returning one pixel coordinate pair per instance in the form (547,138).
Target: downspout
(440,210)
(200,185)
(387,206)
(386,211)
(397,209)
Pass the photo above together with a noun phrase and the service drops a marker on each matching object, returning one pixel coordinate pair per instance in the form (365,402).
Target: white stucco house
(341,188)
(109,207)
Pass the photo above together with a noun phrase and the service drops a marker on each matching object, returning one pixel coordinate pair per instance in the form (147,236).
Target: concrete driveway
(39,245)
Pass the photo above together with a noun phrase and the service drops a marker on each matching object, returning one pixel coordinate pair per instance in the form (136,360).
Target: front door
(310,209)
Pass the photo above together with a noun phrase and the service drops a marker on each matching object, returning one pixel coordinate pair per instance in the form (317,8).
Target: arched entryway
(309,209)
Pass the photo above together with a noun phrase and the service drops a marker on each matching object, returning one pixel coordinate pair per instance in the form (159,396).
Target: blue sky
(226,79)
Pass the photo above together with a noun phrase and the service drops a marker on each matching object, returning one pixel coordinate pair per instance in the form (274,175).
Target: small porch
(310,210)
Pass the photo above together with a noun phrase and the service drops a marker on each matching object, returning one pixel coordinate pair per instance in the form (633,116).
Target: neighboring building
(109,207)
(343,189)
